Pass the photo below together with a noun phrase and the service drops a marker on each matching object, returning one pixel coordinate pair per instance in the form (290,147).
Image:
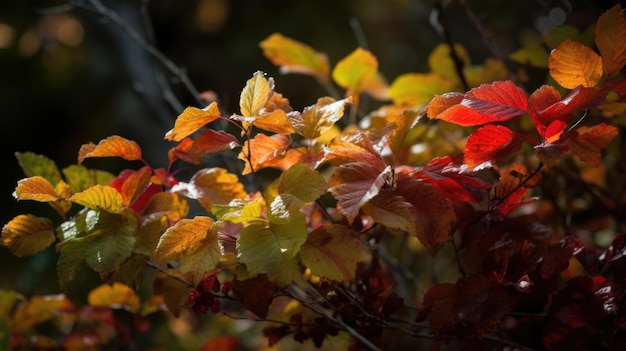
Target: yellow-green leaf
(113,146)
(535,56)
(38,165)
(293,56)
(333,252)
(353,70)
(191,120)
(302,182)
(114,296)
(572,64)
(101,197)
(611,39)
(27,235)
(413,89)
(80,178)
(440,60)
(255,94)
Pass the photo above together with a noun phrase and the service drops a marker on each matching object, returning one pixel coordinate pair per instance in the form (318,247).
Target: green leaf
(239,211)
(291,235)
(283,207)
(333,252)
(80,178)
(302,182)
(38,165)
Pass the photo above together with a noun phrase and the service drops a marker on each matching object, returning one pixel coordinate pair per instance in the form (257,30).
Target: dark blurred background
(70,75)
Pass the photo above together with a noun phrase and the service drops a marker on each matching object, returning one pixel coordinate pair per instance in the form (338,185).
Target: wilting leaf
(114,296)
(610,33)
(113,146)
(38,165)
(434,213)
(27,235)
(572,64)
(302,182)
(356,183)
(100,197)
(413,89)
(496,102)
(255,94)
(191,120)
(352,71)
(295,57)
(490,143)
(333,252)
(319,118)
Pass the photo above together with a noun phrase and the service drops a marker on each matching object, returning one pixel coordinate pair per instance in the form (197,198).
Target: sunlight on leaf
(295,57)
(27,235)
(610,32)
(490,143)
(183,238)
(266,151)
(100,197)
(191,120)
(353,70)
(113,146)
(210,186)
(572,64)
(255,94)
(588,142)
(277,121)
(414,89)
(114,296)
(302,182)
(319,118)
(35,188)
(333,252)
(81,178)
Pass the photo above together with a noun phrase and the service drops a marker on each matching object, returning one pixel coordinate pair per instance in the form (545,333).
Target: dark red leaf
(256,294)
(617,249)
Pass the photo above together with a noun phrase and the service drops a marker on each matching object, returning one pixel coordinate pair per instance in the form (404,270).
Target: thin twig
(458,63)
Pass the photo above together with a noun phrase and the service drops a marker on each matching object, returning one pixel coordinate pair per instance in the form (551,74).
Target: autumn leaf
(434,213)
(356,183)
(113,146)
(333,252)
(354,70)
(490,143)
(38,309)
(27,235)
(276,121)
(115,296)
(295,57)
(255,94)
(174,289)
(414,89)
(392,211)
(211,186)
(488,103)
(588,142)
(38,165)
(266,151)
(610,34)
(81,178)
(191,120)
(440,60)
(100,197)
(317,119)
(256,294)
(35,188)
(355,147)
(131,184)
(302,182)
(183,238)
(509,192)
(572,64)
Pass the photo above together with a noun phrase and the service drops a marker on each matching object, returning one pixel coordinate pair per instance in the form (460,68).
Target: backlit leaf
(295,57)
(192,119)
(100,197)
(441,103)
(290,234)
(266,151)
(392,211)
(588,142)
(35,188)
(333,252)
(490,143)
(27,235)
(440,60)
(173,205)
(210,186)
(534,55)
(242,211)
(488,103)
(81,178)
(302,182)
(113,146)
(356,183)
(276,121)
(114,296)
(434,213)
(610,34)
(255,94)
(184,237)
(352,71)
(38,165)
(316,119)
(133,183)
(572,64)
(413,89)
(354,147)
(509,190)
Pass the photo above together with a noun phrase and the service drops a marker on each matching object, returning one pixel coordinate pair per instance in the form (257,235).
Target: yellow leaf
(216,186)
(27,235)
(255,94)
(572,64)
(115,296)
(191,120)
(319,118)
(113,146)
(37,310)
(355,69)
(413,89)
(101,197)
(534,55)
(295,57)
(611,39)
(490,71)
(440,60)
(276,121)
(376,86)
(182,238)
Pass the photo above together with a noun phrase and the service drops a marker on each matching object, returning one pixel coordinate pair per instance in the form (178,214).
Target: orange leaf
(191,120)
(215,186)
(611,39)
(27,235)
(572,64)
(266,151)
(276,121)
(35,188)
(113,146)
(295,57)
(114,296)
(509,189)
(316,119)
(100,197)
(587,142)
(355,69)
(354,148)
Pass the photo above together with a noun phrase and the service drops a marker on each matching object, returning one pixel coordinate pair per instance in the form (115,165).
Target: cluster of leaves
(313,234)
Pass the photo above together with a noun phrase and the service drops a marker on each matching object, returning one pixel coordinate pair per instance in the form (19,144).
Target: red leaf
(490,143)
(488,103)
